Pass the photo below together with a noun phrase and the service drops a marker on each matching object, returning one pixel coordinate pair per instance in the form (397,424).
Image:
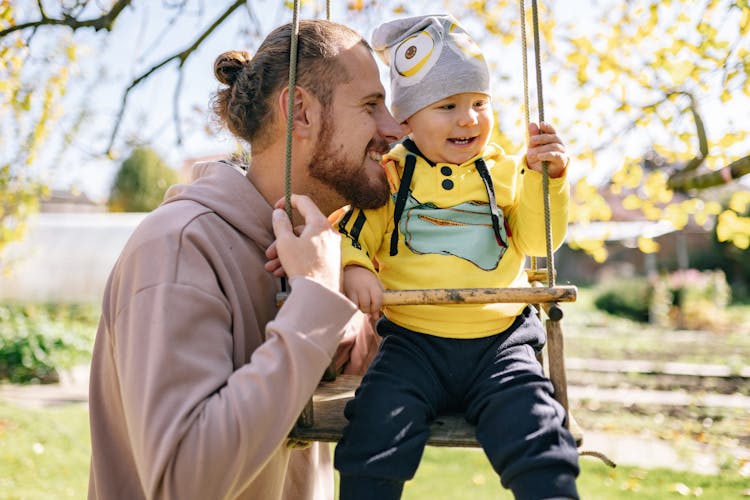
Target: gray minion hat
(430,58)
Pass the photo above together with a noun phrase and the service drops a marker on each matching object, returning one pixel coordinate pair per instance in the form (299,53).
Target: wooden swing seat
(328,408)
(323,419)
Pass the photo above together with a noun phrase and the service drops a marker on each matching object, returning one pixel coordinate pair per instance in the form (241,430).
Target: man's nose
(388,127)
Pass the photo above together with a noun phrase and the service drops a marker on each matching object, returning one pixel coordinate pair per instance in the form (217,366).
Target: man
(197,377)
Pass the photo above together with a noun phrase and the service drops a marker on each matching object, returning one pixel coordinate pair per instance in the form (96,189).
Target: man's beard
(345,175)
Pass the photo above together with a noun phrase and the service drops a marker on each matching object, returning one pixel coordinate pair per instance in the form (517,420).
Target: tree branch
(700,130)
(103,22)
(41,9)
(725,175)
(180,56)
(176,103)
(167,27)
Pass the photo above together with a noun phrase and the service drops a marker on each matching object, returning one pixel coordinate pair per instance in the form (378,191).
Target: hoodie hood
(226,190)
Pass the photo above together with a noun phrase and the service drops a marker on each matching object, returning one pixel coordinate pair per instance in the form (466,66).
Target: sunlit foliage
(30,108)
(651,96)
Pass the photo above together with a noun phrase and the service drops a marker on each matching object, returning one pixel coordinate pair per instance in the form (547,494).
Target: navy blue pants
(496,382)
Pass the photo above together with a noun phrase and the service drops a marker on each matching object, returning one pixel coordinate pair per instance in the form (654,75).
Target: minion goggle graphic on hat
(414,57)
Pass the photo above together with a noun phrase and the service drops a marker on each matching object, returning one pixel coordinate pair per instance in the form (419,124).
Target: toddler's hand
(363,288)
(545,145)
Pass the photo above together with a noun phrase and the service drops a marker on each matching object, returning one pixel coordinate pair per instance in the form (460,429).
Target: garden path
(644,450)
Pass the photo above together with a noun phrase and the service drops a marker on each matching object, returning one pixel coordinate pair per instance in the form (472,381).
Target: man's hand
(363,288)
(273,265)
(315,253)
(545,145)
(358,346)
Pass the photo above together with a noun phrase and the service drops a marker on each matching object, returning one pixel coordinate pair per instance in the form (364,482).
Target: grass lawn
(465,474)
(593,334)
(45,454)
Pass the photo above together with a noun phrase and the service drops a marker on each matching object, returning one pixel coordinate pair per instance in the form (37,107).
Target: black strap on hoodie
(403,192)
(401,197)
(484,173)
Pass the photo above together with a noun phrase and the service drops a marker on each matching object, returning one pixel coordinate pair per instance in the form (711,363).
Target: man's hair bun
(229,65)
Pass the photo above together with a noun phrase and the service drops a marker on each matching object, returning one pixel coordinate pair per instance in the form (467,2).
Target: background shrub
(686,298)
(699,299)
(38,340)
(628,297)
(141,182)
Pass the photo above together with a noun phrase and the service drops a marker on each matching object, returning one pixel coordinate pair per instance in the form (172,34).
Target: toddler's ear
(405,127)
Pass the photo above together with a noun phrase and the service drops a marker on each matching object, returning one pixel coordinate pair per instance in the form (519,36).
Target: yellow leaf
(632,202)
(676,216)
(691,205)
(599,254)
(679,70)
(729,140)
(740,201)
(634,176)
(655,188)
(647,245)
(650,211)
(724,225)
(713,208)
(745,21)
(701,218)
(731,227)
(583,103)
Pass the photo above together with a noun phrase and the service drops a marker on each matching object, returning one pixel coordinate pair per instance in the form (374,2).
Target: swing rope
(306,418)
(290,109)
(526,106)
(545,164)
(293,45)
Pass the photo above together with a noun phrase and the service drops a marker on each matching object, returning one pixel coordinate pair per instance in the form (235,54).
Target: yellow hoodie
(446,237)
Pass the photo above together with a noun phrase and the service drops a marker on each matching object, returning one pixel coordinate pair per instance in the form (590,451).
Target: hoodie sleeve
(362,234)
(198,428)
(527,216)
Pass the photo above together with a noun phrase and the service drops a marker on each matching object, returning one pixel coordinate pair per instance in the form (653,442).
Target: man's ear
(306,111)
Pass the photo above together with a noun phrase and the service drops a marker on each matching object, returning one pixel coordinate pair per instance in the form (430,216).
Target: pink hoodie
(197,377)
